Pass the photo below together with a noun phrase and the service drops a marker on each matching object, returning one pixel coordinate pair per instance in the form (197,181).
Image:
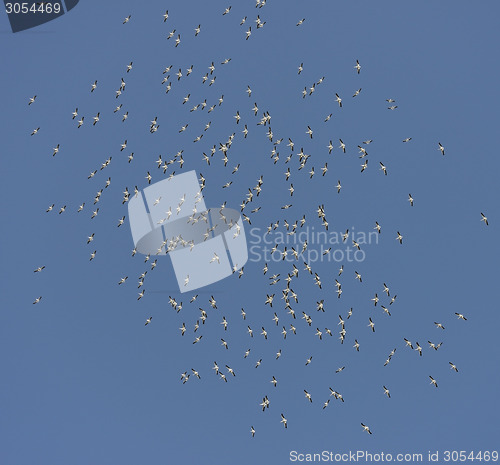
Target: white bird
(357,67)
(441,148)
(483,218)
(366,428)
(148,321)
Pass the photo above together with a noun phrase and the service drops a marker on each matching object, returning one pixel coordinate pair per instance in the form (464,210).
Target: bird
(460,316)
(37,300)
(301,21)
(386,392)
(338,99)
(366,428)
(32,100)
(40,268)
(308,396)
(483,218)
(252,430)
(453,367)
(127,19)
(35,131)
(383,168)
(55,150)
(410,199)
(399,237)
(441,148)
(433,381)
(386,289)
(408,343)
(148,321)
(284,421)
(357,67)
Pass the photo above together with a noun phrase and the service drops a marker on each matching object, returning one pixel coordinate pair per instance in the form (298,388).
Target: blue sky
(84,381)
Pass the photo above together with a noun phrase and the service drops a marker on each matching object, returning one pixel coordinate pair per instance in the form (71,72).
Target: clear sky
(84,381)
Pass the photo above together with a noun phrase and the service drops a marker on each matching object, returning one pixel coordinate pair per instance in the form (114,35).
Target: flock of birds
(288,295)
